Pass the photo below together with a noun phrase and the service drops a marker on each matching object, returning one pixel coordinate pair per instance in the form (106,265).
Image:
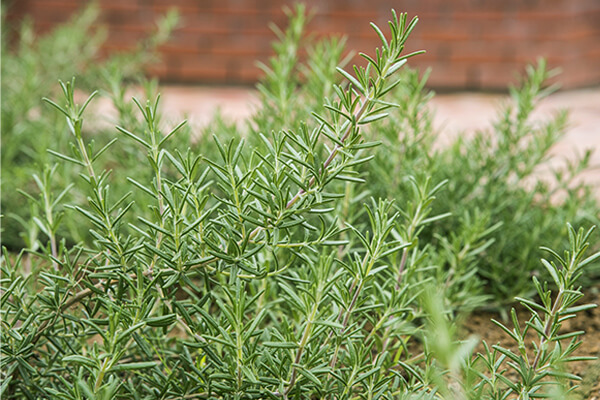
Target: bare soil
(481,325)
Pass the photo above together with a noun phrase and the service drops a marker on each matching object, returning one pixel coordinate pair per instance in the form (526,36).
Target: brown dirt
(480,325)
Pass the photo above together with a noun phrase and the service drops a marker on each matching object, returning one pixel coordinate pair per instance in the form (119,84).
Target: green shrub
(497,219)
(29,129)
(315,256)
(486,249)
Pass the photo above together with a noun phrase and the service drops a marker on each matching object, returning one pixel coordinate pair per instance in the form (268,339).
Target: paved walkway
(455,114)
(465,113)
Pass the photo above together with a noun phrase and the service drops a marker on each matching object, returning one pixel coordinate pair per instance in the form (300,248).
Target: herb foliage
(303,260)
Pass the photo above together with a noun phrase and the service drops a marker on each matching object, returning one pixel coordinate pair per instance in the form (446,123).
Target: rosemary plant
(29,72)
(537,364)
(546,364)
(262,266)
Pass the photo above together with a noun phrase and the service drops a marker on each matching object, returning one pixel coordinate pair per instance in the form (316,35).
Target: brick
(444,75)
(592,53)
(546,14)
(159,69)
(477,51)
(500,75)
(202,22)
(112,48)
(249,73)
(577,74)
(185,7)
(470,43)
(120,5)
(47,13)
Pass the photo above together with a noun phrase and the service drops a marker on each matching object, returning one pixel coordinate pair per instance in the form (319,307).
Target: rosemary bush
(263,267)
(486,248)
(29,72)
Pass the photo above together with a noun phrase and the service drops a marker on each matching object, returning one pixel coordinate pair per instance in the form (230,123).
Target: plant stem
(100,376)
(401,268)
(334,152)
(302,345)
(87,292)
(51,233)
(326,164)
(547,327)
(345,322)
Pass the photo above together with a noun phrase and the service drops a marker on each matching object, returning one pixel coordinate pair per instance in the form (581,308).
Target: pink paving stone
(455,114)
(199,104)
(465,113)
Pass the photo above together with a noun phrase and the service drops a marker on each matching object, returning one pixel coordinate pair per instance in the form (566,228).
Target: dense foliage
(319,252)
(29,129)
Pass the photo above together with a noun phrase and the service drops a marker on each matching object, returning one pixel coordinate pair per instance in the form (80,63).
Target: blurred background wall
(471,44)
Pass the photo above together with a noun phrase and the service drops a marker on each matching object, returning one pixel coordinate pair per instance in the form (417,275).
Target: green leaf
(77,359)
(292,295)
(56,106)
(309,375)
(590,259)
(366,145)
(173,131)
(15,335)
(372,118)
(164,320)
(508,353)
(349,179)
(330,324)
(5,383)
(562,374)
(281,345)
(66,158)
(352,79)
(133,366)
(134,137)
(395,67)
(576,309)
(102,150)
(552,272)
(126,334)
(568,335)
(384,41)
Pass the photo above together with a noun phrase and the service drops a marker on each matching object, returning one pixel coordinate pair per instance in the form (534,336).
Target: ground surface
(454,114)
(481,326)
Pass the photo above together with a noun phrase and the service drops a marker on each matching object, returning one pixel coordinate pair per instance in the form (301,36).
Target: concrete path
(455,114)
(465,113)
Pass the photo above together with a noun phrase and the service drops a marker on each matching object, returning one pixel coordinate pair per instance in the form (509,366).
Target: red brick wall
(471,44)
